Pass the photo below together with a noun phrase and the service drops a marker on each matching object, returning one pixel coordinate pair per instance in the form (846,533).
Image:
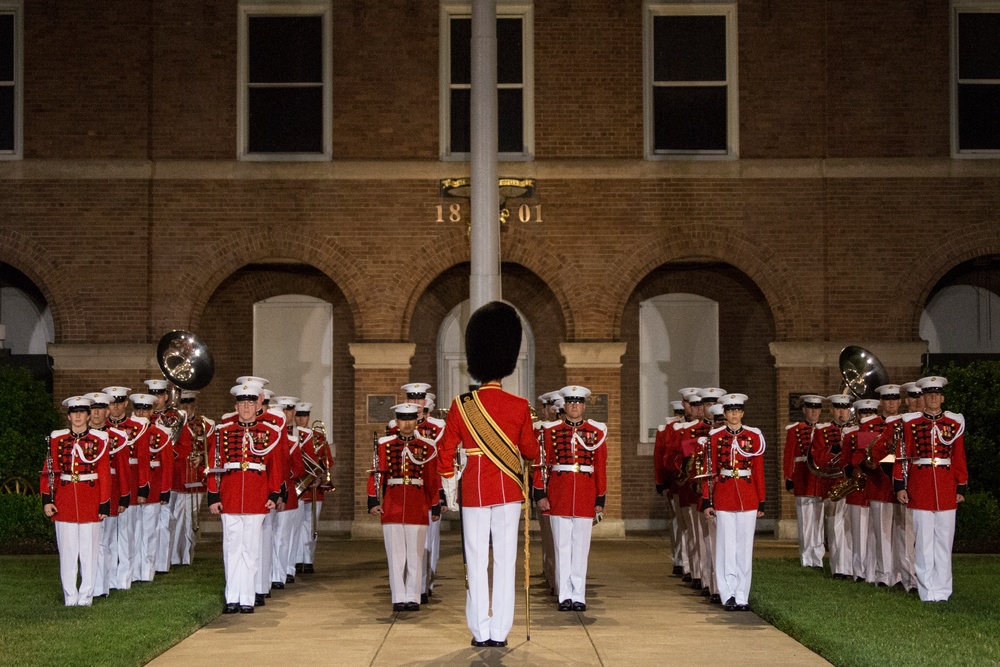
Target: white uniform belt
(800,459)
(78,478)
(728,472)
(244,465)
(932,462)
(114,471)
(412,481)
(134,462)
(154,464)
(191,485)
(575,467)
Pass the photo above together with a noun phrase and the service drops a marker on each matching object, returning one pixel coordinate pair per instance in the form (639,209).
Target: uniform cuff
(705,504)
(46,499)
(898,485)
(960,489)
(436,510)
(660,488)
(125,500)
(165,497)
(144,491)
(104,508)
(789,485)
(538,494)
(600,501)
(373,503)
(274,497)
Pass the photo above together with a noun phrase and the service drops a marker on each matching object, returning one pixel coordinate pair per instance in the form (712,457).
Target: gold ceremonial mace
(527,550)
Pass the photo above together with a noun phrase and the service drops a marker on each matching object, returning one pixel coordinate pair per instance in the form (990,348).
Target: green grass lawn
(854,625)
(126,628)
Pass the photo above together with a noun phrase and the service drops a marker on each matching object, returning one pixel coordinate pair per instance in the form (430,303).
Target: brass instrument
(375,469)
(201,429)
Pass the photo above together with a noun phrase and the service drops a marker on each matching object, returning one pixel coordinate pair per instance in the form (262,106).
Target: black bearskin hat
(493,341)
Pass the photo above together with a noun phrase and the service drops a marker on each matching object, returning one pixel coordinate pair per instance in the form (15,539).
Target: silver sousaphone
(185,360)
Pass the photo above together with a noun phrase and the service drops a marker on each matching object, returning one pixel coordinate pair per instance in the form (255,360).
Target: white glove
(450,486)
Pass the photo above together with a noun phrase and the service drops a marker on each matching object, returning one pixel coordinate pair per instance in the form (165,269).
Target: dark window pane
(461,50)
(6,47)
(461,114)
(978,46)
(511,121)
(6,118)
(978,117)
(509,51)
(286,120)
(689,48)
(689,119)
(286,49)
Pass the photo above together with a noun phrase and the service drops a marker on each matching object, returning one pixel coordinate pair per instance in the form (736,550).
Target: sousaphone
(185,360)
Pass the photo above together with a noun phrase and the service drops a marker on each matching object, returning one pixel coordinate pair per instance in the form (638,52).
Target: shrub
(26,419)
(977,523)
(24,528)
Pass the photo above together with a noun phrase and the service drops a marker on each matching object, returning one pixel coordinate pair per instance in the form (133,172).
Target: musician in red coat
(161,459)
(931,481)
(800,480)
(76,493)
(733,498)
(857,439)
(188,479)
(135,477)
(878,487)
(316,448)
(403,491)
(494,430)
(289,516)
(827,452)
(547,417)
(574,495)
(679,453)
(243,486)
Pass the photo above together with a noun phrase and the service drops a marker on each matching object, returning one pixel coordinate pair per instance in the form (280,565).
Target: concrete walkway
(637,615)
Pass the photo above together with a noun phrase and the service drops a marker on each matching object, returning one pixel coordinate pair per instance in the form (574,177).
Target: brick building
(814,169)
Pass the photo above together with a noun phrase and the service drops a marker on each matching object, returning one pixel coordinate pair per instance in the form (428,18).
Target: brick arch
(226,256)
(31,259)
(535,254)
(756,261)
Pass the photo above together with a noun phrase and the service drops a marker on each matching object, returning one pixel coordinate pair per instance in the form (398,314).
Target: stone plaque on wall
(597,408)
(795,407)
(380,409)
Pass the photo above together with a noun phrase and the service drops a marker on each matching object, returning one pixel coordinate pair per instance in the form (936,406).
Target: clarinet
(50,470)
(375,469)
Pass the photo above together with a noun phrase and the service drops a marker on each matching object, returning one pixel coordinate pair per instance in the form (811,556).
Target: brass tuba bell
(185,360)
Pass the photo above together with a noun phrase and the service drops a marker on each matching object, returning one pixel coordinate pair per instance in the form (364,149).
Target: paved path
(342,616)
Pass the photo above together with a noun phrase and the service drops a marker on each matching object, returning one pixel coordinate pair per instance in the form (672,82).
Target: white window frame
(727,9)
(282,8)
(956,9)
(505,9)
(17,9)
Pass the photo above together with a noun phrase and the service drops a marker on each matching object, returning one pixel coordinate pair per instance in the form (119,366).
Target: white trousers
(935,535)
(107,557)
(307,543)
(707,551)
(838,536)
(679,552)
(809,512)
(548,550)
(404,550)
(480,525)
(164,533)
(126,546)
(432,551)
(880,542)
(266,543)
(903,543)
(183,537)
(693,530)
(147,540)
(858,517)
(734,554)
(285,524)
(571,537)
(241,553)
(78,546)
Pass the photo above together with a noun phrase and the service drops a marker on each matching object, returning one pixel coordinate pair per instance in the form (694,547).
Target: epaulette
(140,420)
(117,431)
(716,430)
(426,440)
(598,425)
(850,429)
(228,415)
(552,423)
(671,419)
(58,434)
(824,425)
(274,428)
(957,416)
(792,425)
(910,416)
(893,418)
(754,429)
(434,420)
(865,420)
(391,424)
(661,427)
(100,434)
(386,438)
(693,422)
(210,422)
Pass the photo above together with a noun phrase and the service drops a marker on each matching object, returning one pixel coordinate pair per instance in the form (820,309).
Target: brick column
(597,366)
(380,369)
(814,367)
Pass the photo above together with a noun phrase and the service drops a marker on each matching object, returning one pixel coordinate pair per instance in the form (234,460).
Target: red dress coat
(81,476)
(409,480)
(314,446)
(242,475)
(190,477)
(119,468)
(739,451)
(890,442)
(827,450)
(161,462)
(878,485)
(856,440)
(936,470)
(661,477)
(137,431)
(798,444)
(685,447)
(483,484)
(575,493)
(294,466)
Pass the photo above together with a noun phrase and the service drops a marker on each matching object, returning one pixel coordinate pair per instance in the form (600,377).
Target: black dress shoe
(566,605)
(838,575)
(715,599)
(258,600)
(678,571)
(742,607)
(308,569)
(102,595)
(858,580)
(686,578)
(730,604)
(399,606)
(882,584)
(290,579)
(424,599)
(579,606)
(912,591)
(482,644)
(412,606)
(696,584)
(706,592)
(246,610)
(499,643)
(298,568)
(231,609)
(278,584)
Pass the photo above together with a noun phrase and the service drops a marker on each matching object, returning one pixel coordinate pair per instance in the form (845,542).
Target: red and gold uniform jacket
(161,462)
(827,451)
(294,467)
(737,470)
(890,442)
(935,469)
(189,475)
(81,476)
(856,440)
(878,486)
(798,444)
(242,475)
(137,431)
(661,476)
(687,443)
(409,480)
(576,458)
(483,484)
(120,474)
(314,446)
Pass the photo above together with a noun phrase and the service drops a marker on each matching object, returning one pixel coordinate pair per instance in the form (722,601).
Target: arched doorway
(962,314)
(26,325)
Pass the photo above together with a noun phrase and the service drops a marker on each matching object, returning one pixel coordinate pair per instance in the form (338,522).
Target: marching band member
(76,494)
(827,450)
(403,491)
(188,479)
(805,485)
(857,440)
(686,446)
(289,516)
(169,419)
(675,463)
(704,528)
(662,480)
(161,457)
(672,464)
(903,537)
(734,500)
(931,481)
(547,419)
(494,429)
(243,486)
(717,415)
(136,477)
(878,488)
(575,494)
(315,446)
